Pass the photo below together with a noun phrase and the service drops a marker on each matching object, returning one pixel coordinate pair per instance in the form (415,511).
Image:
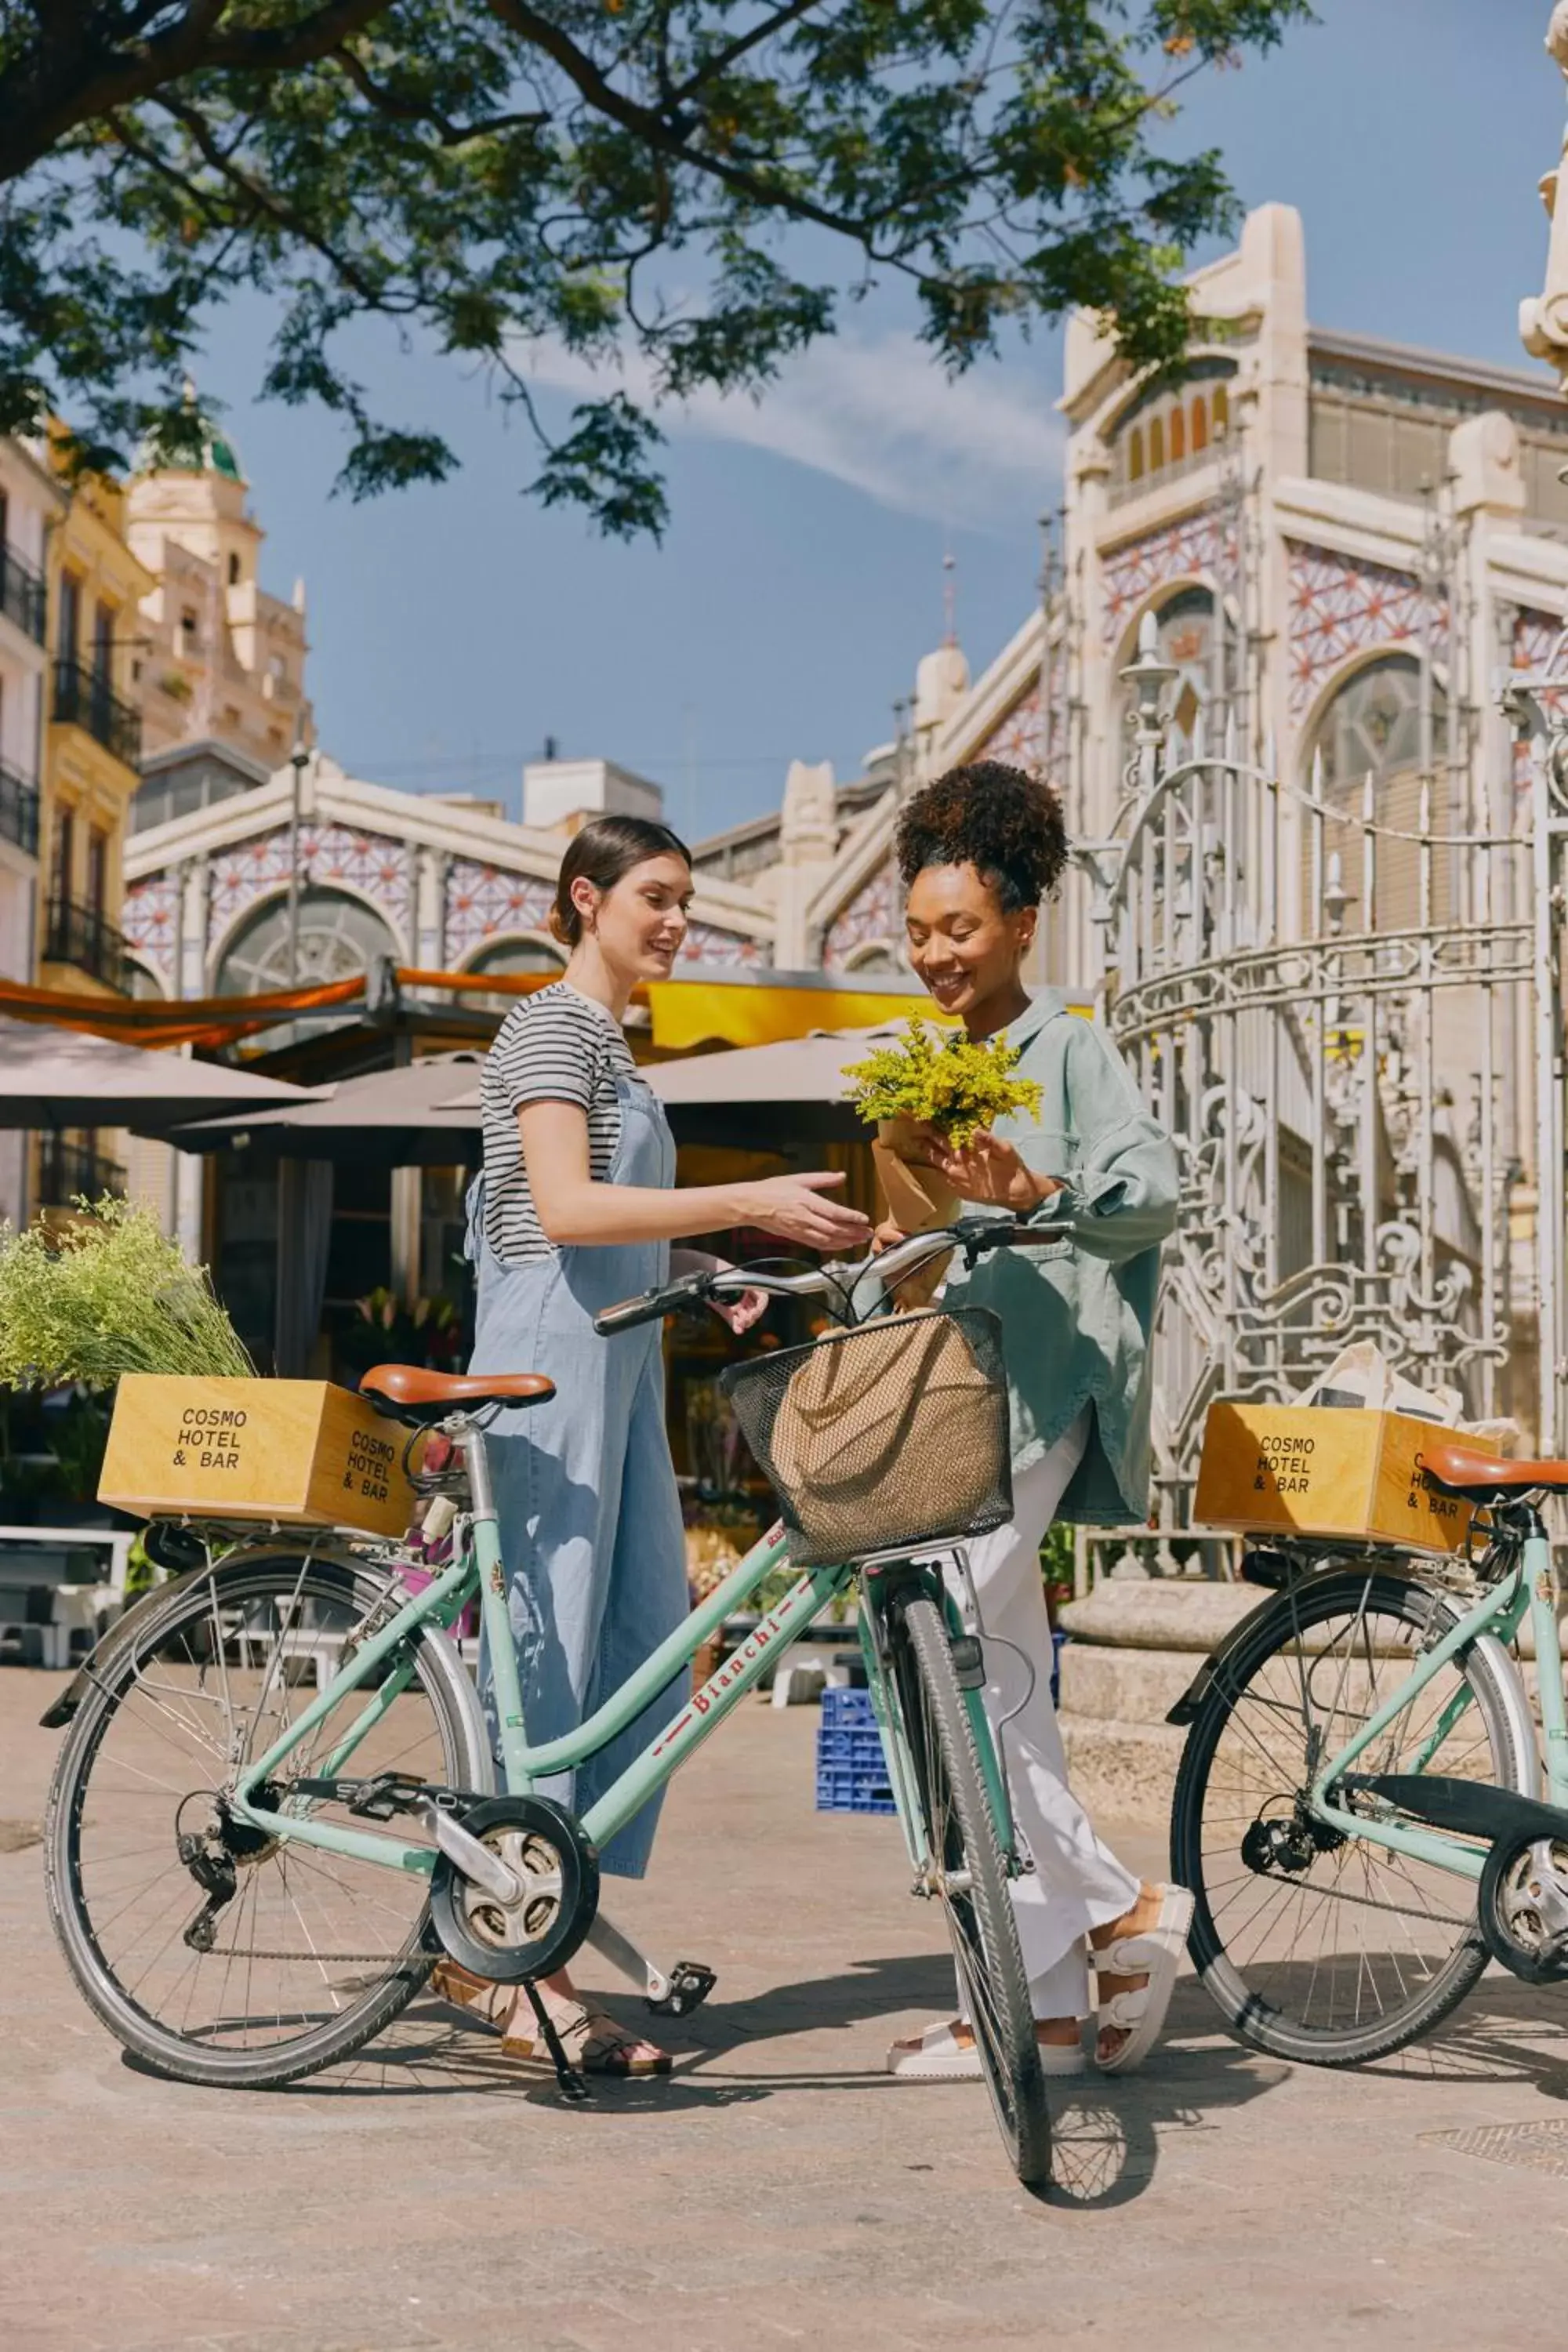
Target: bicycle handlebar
(973,1235)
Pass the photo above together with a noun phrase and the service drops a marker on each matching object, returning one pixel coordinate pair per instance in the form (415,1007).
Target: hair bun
(1002,821)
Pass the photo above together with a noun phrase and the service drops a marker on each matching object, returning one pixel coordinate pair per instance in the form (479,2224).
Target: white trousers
(1077,1883)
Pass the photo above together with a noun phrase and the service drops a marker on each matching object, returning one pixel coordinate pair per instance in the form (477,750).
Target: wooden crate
(1324,1470)
(301,1452)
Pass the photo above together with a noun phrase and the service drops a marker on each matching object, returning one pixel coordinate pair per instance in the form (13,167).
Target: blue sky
(454,629)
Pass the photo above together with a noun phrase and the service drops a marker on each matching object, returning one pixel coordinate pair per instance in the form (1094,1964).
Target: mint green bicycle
(277,1804)
(1358,1809)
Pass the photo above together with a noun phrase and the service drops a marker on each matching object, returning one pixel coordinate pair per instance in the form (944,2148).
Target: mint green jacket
(1077,1310)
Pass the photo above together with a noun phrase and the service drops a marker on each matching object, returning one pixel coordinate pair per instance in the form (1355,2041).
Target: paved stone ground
(780,2189)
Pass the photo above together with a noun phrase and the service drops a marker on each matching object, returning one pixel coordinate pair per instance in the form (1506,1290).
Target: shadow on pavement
(1107,2130)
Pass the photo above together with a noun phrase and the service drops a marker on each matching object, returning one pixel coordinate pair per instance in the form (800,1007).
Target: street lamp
(297,759)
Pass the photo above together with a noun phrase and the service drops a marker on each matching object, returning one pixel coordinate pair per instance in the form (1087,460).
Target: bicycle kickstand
(573,2085)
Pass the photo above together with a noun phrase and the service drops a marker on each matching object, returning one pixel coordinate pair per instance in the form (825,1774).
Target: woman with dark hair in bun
(576,1208)
(978,850)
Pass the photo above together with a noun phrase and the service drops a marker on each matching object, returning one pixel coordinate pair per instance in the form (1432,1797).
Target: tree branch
(670,138)
(410,109)
(722,60)
(268,201)
(59,87)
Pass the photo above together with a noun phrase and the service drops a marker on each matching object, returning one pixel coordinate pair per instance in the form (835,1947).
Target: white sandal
(1155,1952)
(939,2056)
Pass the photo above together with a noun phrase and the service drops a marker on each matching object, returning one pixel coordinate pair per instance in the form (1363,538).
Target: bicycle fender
(1186,1707)
(104,1651)
(64,1704)
(1505,1673)
(1276,1575)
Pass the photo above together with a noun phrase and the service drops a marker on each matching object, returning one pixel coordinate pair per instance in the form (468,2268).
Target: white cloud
(880,415)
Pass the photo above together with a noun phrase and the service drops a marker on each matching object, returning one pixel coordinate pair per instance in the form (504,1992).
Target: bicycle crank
(532,1908)
(1523,1907)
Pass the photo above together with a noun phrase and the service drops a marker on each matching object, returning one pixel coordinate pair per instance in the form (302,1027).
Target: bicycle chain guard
(558,1873)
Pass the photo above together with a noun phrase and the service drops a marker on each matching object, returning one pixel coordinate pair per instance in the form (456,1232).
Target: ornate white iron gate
(1353,1029)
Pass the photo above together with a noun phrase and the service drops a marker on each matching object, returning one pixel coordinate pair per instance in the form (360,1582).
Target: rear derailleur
(1290,1845)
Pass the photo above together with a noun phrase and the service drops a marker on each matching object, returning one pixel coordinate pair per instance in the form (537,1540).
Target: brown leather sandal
(593,2042)
(590,2037)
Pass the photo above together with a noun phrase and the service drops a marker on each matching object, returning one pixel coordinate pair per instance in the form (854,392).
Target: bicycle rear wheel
(311,1953)
(1315,1945)
(964,1870)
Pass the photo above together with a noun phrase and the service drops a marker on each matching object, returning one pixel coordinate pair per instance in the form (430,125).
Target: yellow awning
(692,1012)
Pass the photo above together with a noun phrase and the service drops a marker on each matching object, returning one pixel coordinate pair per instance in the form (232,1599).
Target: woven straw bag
(890,1426)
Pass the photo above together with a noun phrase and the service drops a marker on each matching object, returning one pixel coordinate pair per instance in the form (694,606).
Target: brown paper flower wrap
(918,1199)
(932,1078)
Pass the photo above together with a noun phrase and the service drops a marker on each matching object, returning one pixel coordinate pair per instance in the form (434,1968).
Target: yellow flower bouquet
(929,1078)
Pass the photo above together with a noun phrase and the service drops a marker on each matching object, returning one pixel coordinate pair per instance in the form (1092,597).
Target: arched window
(1373,725)
(1156,444)
(339,936)
(1178,435)
(1200,423)
(515,953)
(518,954)
(1221,412)
(1136,454)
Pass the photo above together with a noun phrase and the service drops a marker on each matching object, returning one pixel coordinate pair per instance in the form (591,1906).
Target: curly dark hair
(1005,823)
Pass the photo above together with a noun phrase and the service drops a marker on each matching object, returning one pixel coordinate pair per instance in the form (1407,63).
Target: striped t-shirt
(555,1046)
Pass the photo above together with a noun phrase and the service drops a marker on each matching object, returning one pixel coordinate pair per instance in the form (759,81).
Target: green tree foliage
(688,190)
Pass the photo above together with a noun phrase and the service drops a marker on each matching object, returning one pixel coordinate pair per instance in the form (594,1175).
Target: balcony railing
(19,810)
(74,1172)
(84,697)
(23,597)
(81,936)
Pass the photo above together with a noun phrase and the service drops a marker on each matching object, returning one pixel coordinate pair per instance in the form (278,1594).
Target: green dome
(197,447)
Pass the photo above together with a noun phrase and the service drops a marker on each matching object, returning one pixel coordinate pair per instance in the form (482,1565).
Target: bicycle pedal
(689,1986)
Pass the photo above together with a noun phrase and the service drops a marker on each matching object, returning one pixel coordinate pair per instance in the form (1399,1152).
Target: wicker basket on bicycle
(889,1436)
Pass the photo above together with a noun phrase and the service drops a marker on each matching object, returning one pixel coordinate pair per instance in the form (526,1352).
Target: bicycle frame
(479,1564)
(1528,1584)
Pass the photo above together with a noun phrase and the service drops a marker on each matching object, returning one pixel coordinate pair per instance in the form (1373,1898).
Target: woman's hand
(793,1207)
(887,1236)
(988,1171)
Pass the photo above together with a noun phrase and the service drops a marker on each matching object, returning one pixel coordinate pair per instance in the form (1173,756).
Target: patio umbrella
(66,1078)
(393,1117)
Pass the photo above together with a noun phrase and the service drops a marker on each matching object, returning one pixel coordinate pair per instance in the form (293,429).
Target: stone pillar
(429,941)
(1091,689)
(191,979)
(808,841)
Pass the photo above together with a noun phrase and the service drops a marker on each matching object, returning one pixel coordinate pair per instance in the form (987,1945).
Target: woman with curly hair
(978,850)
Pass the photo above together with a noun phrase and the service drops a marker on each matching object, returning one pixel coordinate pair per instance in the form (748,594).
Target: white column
(190,980)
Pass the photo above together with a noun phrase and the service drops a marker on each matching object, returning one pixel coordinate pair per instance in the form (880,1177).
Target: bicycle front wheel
(1317,1945)
(964,1870)
(215,1954)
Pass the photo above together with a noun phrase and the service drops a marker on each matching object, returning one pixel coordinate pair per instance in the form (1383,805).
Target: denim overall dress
(590,1517)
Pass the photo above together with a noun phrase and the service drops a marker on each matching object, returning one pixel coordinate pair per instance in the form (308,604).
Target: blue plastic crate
(847,1710)
(841,1789)
(851,1769)
(862,1747)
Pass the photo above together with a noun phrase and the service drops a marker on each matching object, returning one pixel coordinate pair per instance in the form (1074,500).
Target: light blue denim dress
(590,1515)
